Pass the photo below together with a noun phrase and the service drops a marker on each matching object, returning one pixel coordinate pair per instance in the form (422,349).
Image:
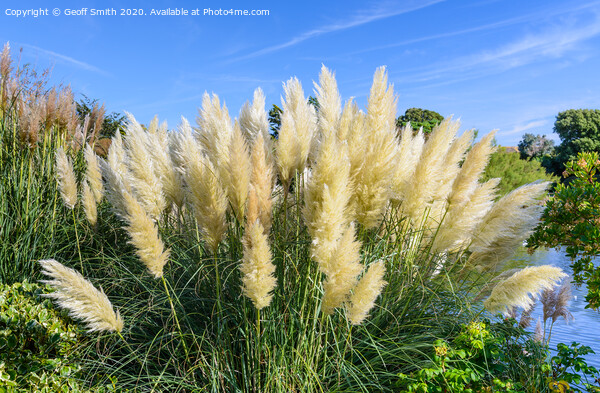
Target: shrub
(513,171)
(329,260)
(38,344)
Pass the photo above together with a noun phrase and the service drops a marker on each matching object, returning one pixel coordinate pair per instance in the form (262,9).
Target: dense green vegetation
(513,171)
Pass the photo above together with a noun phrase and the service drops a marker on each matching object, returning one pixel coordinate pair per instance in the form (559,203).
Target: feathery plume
(215,131)
(237,180)
(330,103)
(342,271)
(298,127)
(366,292)
(506,225)
(326,199)
(141,175)
(256,267)
(456,230)
(539,332)
(429,173)
(116,155)
(93,174)
(144,236)
(253,118)
(205,192)
(514,291)
(556,302)
(526,318)
(89,204)
(115,188)
(158,147)
(475,162)
(67,183)
(374,175)
(81,298)
(261,180)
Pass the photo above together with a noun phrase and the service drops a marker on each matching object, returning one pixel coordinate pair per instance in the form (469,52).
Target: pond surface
(585,327)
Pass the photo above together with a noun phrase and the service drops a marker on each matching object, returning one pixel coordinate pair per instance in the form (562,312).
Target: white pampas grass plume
(430,172)
(515,291)
(81,298)
(141,174)
(407,155)
(89,204)
(475,162)
(116,155)
(93,174)
(326,199)
(215,131)
(506,225)
(205,192)
(253,118)
(144,236)
(374,175)
(257,268)
(166,172)
(237,180)
(298,127)
(261,180)
(366,292)
(67,183)
(458,225)
(115,188)
(342,271)
(330,103)
(288,156)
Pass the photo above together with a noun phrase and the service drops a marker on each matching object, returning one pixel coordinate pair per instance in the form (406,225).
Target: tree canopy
(535,146)
(420,118)
(579,131)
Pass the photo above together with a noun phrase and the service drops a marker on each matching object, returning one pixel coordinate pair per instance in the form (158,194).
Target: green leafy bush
(484,356)
(37,343)
(513,171)
(572,219)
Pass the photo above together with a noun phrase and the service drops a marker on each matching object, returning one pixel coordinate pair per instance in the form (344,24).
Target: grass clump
(331,259)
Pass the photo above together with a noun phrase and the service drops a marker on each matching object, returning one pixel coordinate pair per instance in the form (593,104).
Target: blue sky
(507,65)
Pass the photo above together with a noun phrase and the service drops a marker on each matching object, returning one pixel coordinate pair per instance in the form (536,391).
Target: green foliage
(513,171)
(579,131)
(497,357)
(275,120)
(535,146)
(572,219)
(420,118)
(569,366)
(111,124)
(38,344)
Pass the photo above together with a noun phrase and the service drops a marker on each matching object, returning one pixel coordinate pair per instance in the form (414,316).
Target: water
(585,327)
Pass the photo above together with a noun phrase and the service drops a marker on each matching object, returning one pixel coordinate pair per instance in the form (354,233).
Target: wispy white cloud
(552,43)
(66,59)
(380,11)
(520,128)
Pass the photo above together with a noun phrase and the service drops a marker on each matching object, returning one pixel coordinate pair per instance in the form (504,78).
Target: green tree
(111,123)
(579,131)
(535,146)
(513,171)
(420,118)
(572,219)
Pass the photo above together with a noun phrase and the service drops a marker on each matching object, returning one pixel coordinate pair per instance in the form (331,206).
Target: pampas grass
(366,292)
(277,248)
(81,298)
(515,291)
(256,267)
(67,183)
